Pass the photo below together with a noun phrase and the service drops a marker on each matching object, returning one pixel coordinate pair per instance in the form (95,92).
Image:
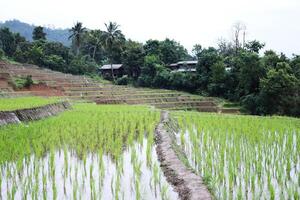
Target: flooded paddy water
(243,157)
(63,175)
(89,152)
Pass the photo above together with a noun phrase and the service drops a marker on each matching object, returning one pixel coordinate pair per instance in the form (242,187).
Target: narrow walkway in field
(31,114)
(188,185)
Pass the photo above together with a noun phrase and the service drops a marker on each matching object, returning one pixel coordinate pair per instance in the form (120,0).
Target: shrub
(1,53)
(124,80)
(22,82)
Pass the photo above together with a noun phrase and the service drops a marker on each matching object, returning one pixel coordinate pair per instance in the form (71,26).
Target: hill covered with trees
(267,83)
(25,30)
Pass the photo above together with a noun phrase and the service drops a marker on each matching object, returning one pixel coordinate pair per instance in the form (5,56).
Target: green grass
(8,104)
(243,157)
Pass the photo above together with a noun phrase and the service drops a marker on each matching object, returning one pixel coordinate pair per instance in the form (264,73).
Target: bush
(124,80)
(1,53)
(22,82)
(28,81)
(54,62)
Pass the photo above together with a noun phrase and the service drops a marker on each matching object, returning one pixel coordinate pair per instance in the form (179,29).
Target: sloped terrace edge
(188,185)
(31,114)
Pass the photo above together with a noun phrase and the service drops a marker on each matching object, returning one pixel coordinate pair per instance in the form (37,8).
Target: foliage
(148,70)
(53,34)
(38,33)
(133,58)
(280,91)
(77,33)
(82,65)
(113,39)
(2,54)
(254,46)
(124,80)
(232,71)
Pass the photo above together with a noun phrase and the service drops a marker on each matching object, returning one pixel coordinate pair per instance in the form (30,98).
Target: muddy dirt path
(188,185)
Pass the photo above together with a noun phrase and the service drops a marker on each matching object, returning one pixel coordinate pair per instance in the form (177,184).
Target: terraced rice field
(7,104)
(89,152)
(243,157)
(85,89)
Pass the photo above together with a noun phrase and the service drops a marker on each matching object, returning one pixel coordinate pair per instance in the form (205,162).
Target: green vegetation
(263,84)
(243,157)
(90,151)
(7,104)
(22,82)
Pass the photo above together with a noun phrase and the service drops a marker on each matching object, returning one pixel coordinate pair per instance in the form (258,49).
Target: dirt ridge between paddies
(31,114)
(188,185)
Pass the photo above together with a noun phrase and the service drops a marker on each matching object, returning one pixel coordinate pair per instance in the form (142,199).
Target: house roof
(184,70)
(108,66)
(188,62)
(184,62)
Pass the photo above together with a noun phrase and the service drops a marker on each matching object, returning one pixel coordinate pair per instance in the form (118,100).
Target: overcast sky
(275,22)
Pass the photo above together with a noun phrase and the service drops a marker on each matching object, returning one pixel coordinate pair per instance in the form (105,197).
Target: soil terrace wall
(25,115)
(188,185)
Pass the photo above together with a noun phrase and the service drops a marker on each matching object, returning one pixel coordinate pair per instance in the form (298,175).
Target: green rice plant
(7,104)
(247,156)
(64,151)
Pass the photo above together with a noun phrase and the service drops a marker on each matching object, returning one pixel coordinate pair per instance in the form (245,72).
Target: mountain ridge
(25,29)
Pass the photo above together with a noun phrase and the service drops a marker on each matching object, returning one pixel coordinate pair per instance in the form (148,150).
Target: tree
(270,59)
(94,41)
(217,82)
(197,49)
(280,92)
(113,38)
(148,70)
(206,60)
(250,72)
(152,47)
(225,47)
(77,33)
(254,46)
(1,53)
(7,42)
(172,51)
(38,33)
(295,64)
(238,28)
(133,58)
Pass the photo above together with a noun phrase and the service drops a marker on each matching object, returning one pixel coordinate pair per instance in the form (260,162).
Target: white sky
(276,22)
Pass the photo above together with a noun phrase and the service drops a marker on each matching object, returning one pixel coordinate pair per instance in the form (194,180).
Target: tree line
(235,70)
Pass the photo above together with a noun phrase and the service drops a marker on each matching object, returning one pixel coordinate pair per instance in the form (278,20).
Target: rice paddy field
(108,152)
(89,152)
(243,157)
(8,104)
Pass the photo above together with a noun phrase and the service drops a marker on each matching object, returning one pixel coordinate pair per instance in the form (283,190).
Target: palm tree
(76,35)
(112,37)
(95,40)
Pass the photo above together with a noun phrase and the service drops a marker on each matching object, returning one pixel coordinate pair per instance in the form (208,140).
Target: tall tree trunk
(94,52)
(77,50)
(112,70)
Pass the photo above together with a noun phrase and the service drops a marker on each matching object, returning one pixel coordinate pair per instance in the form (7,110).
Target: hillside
(76,88)
(56,35)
